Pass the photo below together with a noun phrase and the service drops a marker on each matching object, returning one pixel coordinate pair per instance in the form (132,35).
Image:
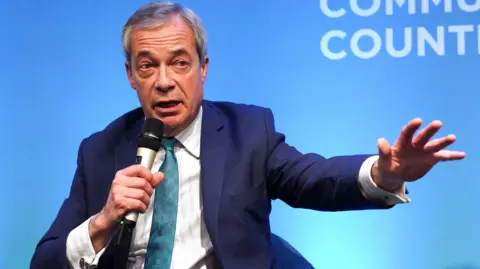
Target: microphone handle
(145,157)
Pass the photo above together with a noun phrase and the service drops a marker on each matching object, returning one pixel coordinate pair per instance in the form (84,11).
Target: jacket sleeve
(312,181)
(50,252)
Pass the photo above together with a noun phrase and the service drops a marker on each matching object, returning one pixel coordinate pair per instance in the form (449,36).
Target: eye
(145,65)
(181,63)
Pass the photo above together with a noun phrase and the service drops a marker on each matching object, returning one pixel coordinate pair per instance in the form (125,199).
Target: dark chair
(287,256)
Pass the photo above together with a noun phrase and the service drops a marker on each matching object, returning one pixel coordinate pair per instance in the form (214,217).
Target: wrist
(389,184)
(99,224)
(99,229)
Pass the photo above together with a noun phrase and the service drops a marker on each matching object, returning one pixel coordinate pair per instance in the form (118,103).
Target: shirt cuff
(80,252)
(372,192)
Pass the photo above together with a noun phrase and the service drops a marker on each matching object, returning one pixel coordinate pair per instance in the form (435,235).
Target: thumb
(158,177)
(384,148)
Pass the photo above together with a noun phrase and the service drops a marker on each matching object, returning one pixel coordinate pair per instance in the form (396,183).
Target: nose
(164,82)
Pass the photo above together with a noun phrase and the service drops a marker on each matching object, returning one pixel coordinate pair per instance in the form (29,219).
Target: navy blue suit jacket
(245,163)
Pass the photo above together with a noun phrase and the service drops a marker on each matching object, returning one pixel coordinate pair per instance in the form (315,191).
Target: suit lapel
(213,156)
(126,150)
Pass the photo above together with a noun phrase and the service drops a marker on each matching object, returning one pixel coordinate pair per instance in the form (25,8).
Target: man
(206,201)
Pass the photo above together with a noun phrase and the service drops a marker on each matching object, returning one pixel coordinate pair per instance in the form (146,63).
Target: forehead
(174,34)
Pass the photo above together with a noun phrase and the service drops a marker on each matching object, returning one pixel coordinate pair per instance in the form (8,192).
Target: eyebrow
(144,53)
(180,51)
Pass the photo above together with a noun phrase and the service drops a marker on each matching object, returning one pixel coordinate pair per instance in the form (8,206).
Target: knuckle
(118,180)
(139,205)
(117,200)
(131,206)
(117,186)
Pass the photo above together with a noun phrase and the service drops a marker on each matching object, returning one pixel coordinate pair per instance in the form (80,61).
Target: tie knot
(168,144)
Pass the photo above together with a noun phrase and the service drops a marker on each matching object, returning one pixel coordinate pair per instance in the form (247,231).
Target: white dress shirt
(192,245)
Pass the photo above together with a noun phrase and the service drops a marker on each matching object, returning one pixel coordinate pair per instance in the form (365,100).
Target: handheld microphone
(149,143)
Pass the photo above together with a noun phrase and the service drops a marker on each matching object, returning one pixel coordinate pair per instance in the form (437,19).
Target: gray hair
(157,14)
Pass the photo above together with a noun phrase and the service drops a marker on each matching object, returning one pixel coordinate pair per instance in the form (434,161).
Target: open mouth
(166,106)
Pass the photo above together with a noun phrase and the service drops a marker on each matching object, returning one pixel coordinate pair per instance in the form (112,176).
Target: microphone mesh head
(152,126)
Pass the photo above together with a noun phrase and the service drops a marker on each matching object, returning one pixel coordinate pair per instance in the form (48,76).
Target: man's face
(165,71)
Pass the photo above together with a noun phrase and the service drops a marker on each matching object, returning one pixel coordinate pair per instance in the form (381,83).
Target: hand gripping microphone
(149,143)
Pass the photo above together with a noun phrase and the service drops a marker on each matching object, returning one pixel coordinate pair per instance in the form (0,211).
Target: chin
(175,121)
(172,124)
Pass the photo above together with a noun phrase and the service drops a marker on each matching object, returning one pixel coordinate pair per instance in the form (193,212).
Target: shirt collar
(190,137)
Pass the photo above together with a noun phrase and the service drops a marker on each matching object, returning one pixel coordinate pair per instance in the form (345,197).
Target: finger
(157,179)
(426,134)
(447,155)
(384,148)
(137,171)
(134,205)
(407,132)
(123,203)
(134,182)
(137,194)
(439,143)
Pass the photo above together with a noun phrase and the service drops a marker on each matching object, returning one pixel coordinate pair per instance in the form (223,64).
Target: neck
(172,131)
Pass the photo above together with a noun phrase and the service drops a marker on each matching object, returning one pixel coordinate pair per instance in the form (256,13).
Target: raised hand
(411,157)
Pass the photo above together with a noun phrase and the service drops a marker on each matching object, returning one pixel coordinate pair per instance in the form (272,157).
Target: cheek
(193,94)
(144,90)
(191,86)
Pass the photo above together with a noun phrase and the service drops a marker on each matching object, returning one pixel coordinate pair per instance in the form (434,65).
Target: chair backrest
(287,256)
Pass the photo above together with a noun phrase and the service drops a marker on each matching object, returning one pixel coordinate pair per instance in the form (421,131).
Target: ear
(204,69)
(128,69)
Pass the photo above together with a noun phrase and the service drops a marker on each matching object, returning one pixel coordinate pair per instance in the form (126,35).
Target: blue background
(62,77)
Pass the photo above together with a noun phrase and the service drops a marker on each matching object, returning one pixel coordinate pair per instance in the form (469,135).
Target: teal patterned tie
(162,234)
